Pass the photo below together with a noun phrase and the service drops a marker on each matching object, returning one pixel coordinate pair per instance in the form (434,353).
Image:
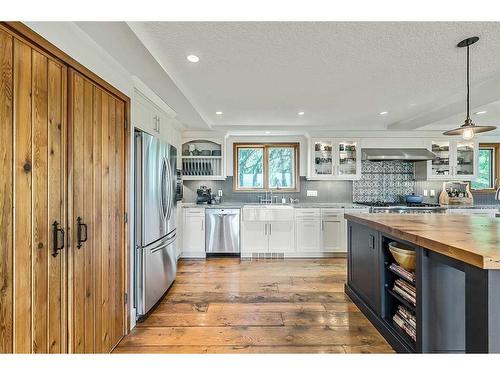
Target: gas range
(404,208)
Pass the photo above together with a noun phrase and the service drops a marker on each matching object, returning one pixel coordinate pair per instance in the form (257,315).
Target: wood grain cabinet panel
(6,193)
(32,108)
(62,168)
(97,193)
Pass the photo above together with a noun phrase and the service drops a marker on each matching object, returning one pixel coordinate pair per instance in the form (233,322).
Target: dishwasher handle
(222,211)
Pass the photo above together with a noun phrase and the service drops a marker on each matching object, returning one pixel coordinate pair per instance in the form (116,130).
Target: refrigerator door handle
(169,191)
(163,202)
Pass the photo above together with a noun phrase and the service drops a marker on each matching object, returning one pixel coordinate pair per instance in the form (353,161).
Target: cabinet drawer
(332,217)
(307,213)
(194,212)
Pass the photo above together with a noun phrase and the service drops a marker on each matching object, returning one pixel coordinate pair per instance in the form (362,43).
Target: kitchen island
(456,281)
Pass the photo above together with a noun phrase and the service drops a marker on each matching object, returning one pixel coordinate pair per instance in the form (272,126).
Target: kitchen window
(266,166)
(486,169)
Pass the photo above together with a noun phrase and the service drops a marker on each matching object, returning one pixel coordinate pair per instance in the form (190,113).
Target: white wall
(76,43)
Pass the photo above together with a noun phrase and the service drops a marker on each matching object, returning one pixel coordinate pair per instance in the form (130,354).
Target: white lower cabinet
(267,237)
(179,219)
(255,239)
(308,230)
(281,236)
(193,240)
(298,232)
(308,235)
(333,230)
(267,232)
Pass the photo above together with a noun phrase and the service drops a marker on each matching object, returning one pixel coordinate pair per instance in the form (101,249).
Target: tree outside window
(485,178)
(266,166)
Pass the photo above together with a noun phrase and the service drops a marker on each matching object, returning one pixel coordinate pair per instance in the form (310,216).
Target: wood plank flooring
(225,305)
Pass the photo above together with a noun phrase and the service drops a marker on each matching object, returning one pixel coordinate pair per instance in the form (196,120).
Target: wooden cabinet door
(32,116)
(97,187)
(6,193)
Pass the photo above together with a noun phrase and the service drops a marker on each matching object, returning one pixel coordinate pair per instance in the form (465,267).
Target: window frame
(265,166)
(495,168)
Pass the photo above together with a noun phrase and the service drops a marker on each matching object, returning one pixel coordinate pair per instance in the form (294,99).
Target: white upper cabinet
(335,159)
(149,117)
(455,159)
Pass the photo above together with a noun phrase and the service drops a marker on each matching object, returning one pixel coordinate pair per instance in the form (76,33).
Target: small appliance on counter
(204,195)
(456,193)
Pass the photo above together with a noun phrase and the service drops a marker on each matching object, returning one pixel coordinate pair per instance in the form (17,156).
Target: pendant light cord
(468,116)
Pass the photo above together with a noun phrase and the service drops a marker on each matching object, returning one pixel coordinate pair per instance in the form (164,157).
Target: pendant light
(469,129)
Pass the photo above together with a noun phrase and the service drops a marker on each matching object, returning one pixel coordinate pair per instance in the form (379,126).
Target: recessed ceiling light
(268,132)
(480,112)
(193,58)
(219,113)
(383,113)
(301,113)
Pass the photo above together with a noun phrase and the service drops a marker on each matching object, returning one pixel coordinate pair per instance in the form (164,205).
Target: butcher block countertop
(470,239)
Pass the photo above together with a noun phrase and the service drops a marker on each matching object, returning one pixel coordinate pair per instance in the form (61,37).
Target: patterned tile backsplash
(384,181)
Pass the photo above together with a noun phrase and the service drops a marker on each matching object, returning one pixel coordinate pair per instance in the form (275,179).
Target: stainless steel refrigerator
(155,212)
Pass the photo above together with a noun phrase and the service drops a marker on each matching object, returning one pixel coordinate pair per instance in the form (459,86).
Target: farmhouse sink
(267,212)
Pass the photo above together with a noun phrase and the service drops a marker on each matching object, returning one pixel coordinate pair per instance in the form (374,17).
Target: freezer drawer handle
(56,230)
(163,245)
(79,225)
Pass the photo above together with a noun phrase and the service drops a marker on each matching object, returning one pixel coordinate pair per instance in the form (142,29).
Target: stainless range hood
(404,154)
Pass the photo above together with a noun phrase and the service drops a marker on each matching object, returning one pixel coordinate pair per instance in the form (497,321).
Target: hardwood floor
(267,306)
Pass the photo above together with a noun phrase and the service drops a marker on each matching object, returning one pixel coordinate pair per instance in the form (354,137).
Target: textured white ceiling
(491,117)
(342,74)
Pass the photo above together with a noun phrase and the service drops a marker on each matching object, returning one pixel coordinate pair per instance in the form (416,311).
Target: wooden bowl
(404,255)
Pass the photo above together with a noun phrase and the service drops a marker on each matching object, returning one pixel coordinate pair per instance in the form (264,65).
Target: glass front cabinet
(455,159)
(335,159)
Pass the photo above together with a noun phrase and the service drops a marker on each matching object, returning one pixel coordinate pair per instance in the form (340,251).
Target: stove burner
(398,204)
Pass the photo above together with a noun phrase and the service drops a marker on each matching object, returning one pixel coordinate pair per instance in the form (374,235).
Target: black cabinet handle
(56,230)
(371,241)
(79,225)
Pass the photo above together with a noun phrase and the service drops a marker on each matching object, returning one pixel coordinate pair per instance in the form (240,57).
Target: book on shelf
(404,294)
(408,316)
(408,288)
(405,326)
(410,276)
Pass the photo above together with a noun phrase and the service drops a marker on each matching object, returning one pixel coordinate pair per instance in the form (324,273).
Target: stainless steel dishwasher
(222,234)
